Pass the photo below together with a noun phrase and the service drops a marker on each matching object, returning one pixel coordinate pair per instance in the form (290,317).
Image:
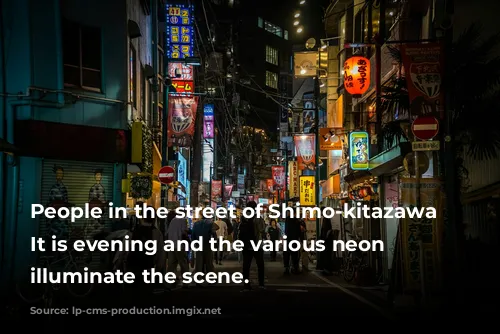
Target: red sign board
(425,128)
(183,86)
(166,175)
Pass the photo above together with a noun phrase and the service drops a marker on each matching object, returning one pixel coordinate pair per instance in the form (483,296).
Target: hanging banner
(307,191)
(423,64)
(306,148)
(180,71)
(308,112)
(228,189)
(328,140)
(359,150)
(293,182)
(181,120)
(431,195)
(241,183)
(208,121)
(304,63)
(216,190)
(270,185)
(278,173)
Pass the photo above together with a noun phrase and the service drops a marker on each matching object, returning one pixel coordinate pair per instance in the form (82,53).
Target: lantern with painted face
(357,75)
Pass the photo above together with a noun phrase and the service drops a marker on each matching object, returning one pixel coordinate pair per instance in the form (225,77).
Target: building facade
(76,75)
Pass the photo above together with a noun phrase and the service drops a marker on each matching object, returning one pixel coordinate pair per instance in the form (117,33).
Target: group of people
(244,229)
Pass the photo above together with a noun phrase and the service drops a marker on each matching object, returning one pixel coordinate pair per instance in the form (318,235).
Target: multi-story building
(75,75)
(248,80)
(395,25)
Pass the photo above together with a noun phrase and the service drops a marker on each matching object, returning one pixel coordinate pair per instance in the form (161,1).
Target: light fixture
(302,2)
(303,71)
(192,61)
(300,29)
(324,45)
(391,13)
(296,23)
(322,84)
(297,14)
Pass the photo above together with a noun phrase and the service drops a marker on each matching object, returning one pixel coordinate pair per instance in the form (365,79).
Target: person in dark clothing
(274,235)
(325,257)
(249,230)
(292,232)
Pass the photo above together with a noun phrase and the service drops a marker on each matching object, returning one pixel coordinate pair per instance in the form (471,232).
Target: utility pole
(316,143)
(453,250)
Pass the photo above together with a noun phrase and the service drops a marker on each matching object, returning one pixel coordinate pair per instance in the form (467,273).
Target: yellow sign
(328,140)
(293,183)
(428,231)
(307,191)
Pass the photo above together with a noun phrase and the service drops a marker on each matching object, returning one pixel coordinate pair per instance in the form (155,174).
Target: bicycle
(47,290)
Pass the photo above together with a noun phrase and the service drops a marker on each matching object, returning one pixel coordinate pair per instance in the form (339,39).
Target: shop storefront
(74,184)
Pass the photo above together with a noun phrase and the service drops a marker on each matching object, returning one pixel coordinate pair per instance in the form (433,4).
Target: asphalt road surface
(300,299)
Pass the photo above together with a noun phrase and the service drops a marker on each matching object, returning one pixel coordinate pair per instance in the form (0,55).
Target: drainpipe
(3,107)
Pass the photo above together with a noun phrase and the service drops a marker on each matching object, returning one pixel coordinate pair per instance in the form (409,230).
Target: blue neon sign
(180,33)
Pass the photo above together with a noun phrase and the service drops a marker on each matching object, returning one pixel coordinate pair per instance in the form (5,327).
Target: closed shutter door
(75,182)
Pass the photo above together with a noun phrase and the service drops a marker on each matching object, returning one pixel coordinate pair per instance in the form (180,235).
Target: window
(82,56)
(272,80)
(133,76)
(273,29)
(271,55)
(260,22)
(286,35)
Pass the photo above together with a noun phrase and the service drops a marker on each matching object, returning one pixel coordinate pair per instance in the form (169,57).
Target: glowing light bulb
(300,29)
(296,23)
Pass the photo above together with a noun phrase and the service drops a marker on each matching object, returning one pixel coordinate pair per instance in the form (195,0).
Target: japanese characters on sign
(307,191)
(432,145)
(359,150)
(357,75)
(208,121)
(293,174)
(423,65)
(182,86)
(428,231)
(180,37)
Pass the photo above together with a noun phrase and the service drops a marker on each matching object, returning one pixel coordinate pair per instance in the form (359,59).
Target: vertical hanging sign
(359,150)
(179,29)
(306,151)
(208,121)
(307,192)
(293,183)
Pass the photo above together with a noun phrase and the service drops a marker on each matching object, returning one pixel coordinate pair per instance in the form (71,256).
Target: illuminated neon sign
(180,36)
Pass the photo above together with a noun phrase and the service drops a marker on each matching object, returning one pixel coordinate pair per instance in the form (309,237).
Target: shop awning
(389,160)
(357,176)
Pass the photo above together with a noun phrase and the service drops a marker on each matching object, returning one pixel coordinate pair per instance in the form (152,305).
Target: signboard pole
(164,128)
(316,155)
(420,241)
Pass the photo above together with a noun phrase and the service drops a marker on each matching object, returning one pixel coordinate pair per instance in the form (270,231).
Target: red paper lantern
(357,75)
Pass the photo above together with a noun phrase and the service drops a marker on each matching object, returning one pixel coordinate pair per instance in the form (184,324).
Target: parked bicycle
(32,293)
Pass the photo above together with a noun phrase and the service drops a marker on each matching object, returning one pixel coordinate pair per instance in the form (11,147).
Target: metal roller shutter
(78,178)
